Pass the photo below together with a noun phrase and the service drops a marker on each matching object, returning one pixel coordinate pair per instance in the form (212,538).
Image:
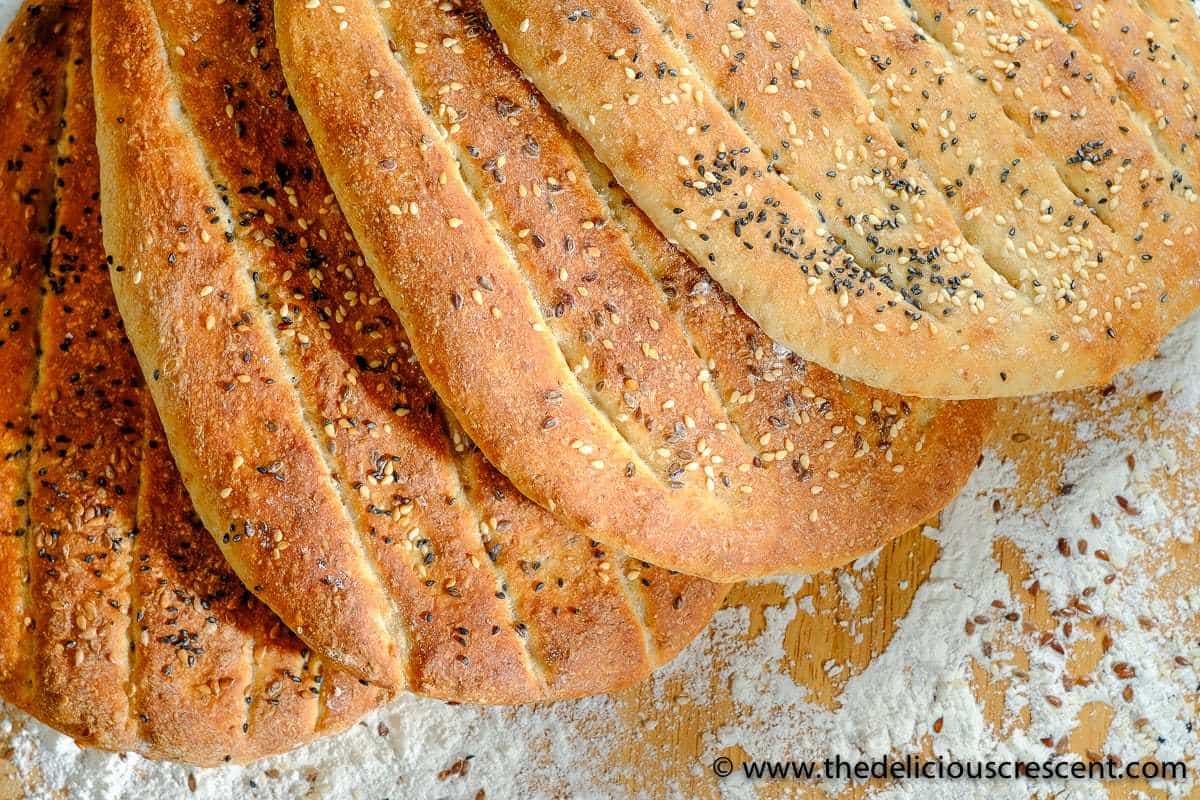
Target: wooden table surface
(1038,444)
(670,748)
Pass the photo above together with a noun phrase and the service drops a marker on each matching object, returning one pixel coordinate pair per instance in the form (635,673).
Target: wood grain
(851,636)
(666,742)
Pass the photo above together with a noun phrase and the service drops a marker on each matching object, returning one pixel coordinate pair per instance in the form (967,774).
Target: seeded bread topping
(987,209)
(313,447)
(609,377)
(122,625)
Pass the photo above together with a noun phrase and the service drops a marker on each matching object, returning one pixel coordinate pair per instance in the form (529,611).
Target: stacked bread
(124,625)
(380,374)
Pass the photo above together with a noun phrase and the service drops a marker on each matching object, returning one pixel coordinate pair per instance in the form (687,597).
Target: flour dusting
(1098,547)
(1099,535)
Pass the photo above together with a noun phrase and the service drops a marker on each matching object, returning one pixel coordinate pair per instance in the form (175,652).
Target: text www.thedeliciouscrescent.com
(915,768)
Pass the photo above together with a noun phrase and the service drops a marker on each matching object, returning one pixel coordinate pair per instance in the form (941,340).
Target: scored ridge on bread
(308,437)
(982,212)
(609,377)
(122,625)
(1180,18)
(32,66)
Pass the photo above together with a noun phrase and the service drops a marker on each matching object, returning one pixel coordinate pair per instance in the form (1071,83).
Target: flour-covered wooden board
(1050,614)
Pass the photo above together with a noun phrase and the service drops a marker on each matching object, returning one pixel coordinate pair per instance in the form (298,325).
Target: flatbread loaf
(310,441)
(940,198)
(598,367)
(120,623)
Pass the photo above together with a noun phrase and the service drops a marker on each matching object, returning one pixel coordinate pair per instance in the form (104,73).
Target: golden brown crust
(32,66)
(212,357)
(1081,117)
(687,442)
(812,102)
(83,498)
(836,96)
(134,634)
(1181,20)
(482,596)
(1140,52)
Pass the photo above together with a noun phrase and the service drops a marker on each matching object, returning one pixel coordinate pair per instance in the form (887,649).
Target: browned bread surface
(1180,18)
(609,377)
(123,627)
(32,68)
(308,437)
(965,199)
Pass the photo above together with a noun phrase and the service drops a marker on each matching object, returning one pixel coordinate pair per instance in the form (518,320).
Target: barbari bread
(32,65)
(940,198)
(605,373)
(121,626)
(309,439)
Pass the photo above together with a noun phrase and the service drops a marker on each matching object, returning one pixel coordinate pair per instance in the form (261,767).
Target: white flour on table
(922,676)
(410,749)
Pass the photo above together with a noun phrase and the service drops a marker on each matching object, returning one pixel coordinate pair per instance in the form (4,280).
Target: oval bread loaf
(599,368)
(122,626)
(309,439)
(939,198)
